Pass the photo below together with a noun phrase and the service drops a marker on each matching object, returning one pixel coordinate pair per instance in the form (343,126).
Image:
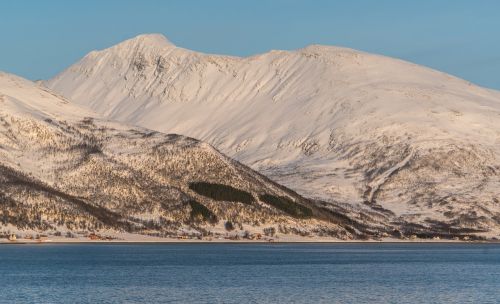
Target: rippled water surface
(250,273)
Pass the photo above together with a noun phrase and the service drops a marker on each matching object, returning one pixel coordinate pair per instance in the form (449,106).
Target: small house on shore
(94,237)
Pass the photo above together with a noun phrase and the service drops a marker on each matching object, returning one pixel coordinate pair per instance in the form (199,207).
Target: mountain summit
(146,40)
(405,142)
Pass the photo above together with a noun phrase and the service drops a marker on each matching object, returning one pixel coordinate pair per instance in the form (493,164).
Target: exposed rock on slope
(63,171)
(419,146)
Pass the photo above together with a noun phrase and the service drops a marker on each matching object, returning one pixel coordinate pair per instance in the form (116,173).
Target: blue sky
(460,37)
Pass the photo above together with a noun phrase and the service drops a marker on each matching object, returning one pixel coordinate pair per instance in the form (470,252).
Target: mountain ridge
(334,124)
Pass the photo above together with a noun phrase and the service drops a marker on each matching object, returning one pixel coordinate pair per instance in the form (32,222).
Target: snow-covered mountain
(417,146)
(65,169)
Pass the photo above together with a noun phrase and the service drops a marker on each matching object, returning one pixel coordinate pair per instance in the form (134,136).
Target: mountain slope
(66,170)
(419,146)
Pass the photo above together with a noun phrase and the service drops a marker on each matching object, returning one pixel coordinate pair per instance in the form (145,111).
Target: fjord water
(250,273)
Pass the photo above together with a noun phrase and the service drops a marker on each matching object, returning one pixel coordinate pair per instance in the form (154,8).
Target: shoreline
(225,242)
(111,237)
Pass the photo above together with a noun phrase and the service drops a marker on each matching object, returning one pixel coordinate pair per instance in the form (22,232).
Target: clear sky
(460,37)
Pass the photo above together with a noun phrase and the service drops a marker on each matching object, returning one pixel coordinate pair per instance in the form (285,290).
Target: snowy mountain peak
(141,46)
(149,40)
(332,123)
